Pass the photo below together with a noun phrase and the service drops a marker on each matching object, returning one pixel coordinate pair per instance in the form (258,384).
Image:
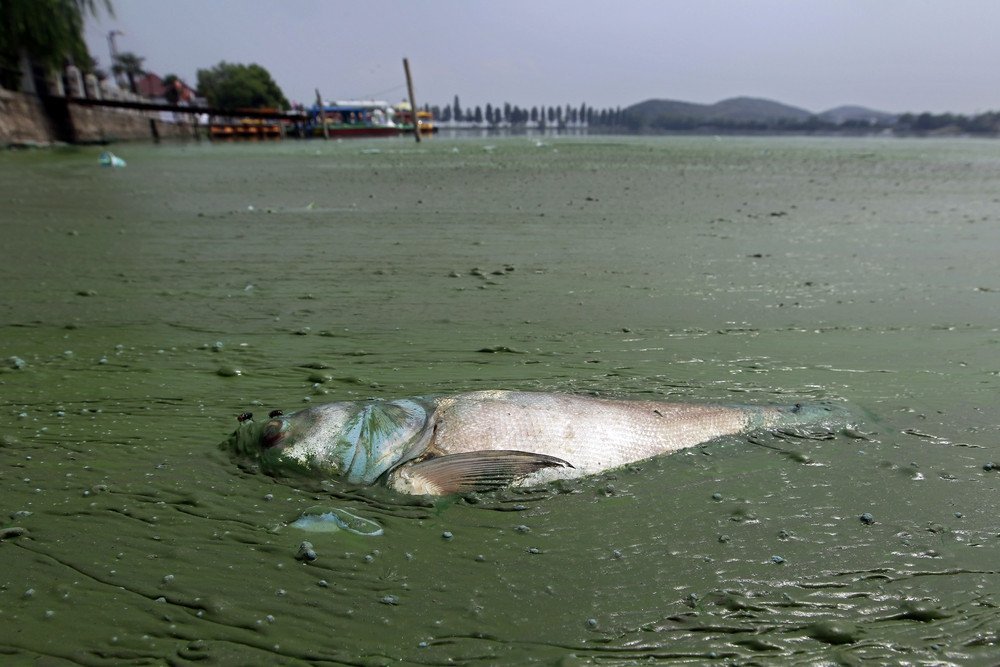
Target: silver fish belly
(591,433)
(489,439)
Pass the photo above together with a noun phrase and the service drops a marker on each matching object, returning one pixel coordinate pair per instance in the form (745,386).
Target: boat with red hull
(367,118)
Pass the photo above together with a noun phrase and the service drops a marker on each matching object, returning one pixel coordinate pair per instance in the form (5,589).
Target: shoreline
(31,122)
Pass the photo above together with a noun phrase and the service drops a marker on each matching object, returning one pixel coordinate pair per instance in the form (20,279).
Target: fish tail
(828,416)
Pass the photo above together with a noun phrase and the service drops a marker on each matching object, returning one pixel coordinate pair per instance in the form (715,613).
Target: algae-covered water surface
(144,308)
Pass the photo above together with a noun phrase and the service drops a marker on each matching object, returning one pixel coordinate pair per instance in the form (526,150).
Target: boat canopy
(353,112)
(353,106)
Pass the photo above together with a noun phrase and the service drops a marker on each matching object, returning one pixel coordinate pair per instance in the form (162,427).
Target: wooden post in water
(413,102)
(322,115)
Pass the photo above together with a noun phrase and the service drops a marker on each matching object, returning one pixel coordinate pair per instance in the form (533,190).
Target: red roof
(151,85)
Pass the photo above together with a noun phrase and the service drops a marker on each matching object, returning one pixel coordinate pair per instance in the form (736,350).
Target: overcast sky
(891,55)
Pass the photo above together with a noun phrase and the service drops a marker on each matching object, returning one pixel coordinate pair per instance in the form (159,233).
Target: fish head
(292,443)
(353,440)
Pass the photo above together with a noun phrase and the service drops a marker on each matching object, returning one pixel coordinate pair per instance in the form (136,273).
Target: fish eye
(271,434)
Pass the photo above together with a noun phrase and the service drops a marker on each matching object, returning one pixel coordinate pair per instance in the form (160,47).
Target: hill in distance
(749,110)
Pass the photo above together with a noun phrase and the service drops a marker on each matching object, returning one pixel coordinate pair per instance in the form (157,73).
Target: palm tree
(130,65)
(49,33)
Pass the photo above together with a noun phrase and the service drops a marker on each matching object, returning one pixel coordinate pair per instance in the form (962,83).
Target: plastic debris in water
(109,159)
(332,519)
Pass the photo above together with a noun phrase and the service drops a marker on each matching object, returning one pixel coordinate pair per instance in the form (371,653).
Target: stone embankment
(30,119)
(23,120)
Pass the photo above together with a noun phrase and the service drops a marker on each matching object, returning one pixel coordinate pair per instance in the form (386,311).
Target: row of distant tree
(512,114)
(629,121)
(905,124)
(984,123)
(623,120)
(613,118)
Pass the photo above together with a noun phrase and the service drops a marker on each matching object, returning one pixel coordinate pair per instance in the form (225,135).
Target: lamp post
(113,48)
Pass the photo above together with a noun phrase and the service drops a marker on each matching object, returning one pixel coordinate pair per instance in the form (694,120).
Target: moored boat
(236,127)
(404,118)
(356,118)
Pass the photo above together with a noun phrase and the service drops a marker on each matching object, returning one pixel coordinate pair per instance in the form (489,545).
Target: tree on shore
(49,33)
(172,85)
(130,65)
(236,86)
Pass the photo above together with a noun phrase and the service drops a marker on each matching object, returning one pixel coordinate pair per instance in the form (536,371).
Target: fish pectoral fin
(470,471)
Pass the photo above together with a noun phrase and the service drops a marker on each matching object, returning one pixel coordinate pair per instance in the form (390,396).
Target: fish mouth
(260,446)
(255,440)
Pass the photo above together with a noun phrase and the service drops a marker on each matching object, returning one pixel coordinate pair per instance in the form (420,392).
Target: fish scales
(487,439)
(591,433)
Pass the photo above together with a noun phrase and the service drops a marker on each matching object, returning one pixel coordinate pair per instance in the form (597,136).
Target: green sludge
(740,270)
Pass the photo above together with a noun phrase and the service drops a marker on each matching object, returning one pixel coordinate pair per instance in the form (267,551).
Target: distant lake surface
(144,308)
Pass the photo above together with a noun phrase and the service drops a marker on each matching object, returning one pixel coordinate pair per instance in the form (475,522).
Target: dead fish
(486,440)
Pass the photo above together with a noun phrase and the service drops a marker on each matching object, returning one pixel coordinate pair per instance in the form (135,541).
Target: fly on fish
(486,440)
